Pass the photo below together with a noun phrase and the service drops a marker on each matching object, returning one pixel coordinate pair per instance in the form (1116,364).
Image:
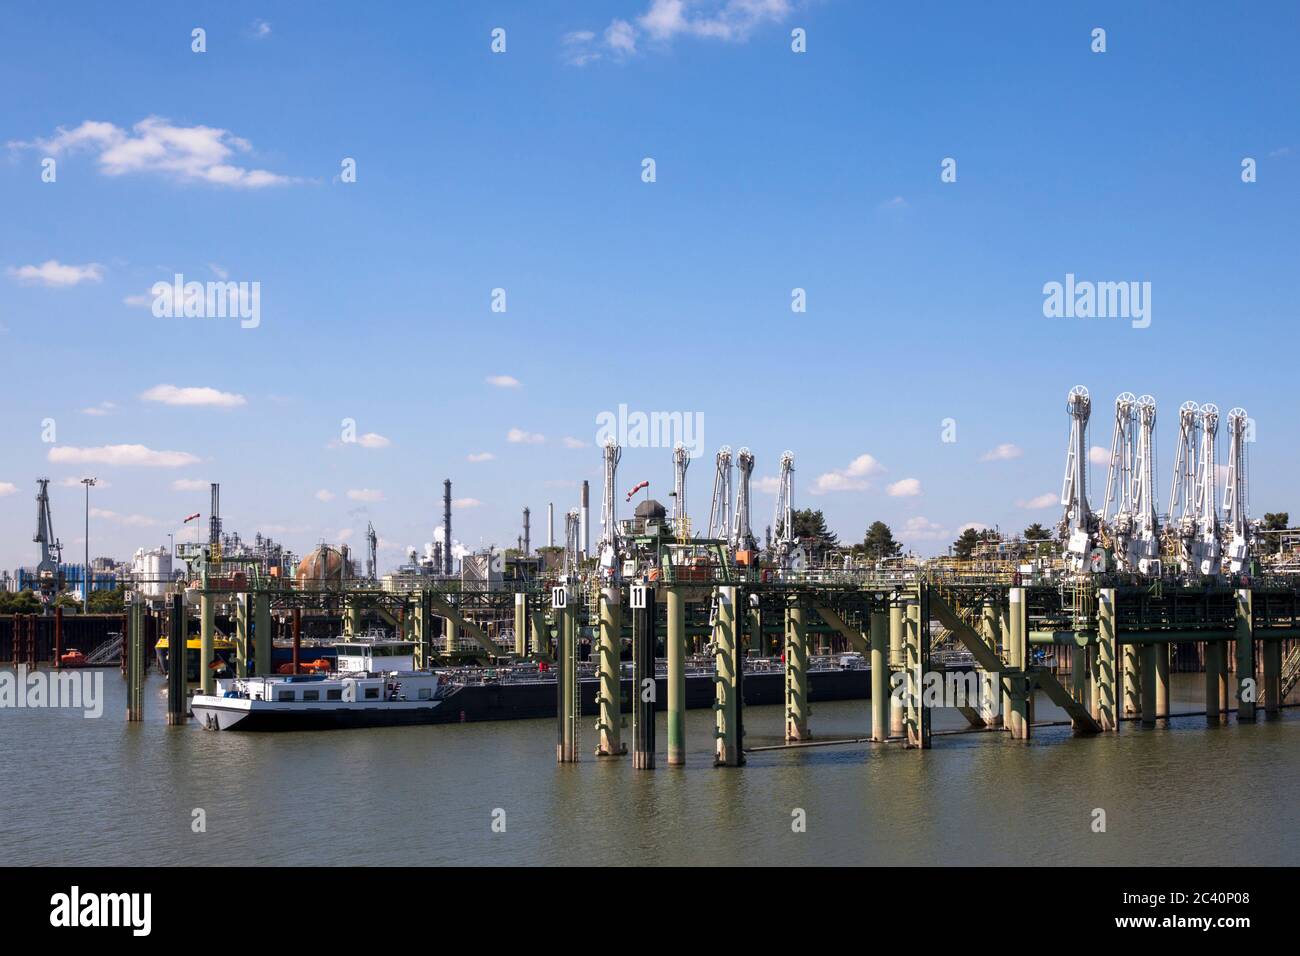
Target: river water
(79,791)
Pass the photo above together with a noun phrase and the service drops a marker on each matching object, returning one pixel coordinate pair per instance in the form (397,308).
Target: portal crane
(783,540)
(1182,493)
(1236,495)
(720,510)
(1145,550)
(1207,493)
(47,571)
(1117,509)
(742,535)
(1079,523)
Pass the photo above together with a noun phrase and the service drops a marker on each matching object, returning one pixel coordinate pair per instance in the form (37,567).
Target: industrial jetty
(659,616)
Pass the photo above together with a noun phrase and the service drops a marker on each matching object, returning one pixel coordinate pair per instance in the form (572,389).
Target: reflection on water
(79,791)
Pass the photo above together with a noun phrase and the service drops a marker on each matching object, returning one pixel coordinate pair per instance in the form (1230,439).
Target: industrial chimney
(527,543)
(550,524)
(446,527)
(585,531)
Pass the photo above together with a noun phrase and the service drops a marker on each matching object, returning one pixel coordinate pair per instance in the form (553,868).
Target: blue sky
(523,171)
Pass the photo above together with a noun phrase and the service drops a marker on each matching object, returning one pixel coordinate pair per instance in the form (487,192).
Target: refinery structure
(1106,601)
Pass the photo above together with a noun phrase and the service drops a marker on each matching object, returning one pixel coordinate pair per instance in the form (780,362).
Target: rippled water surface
(77,791)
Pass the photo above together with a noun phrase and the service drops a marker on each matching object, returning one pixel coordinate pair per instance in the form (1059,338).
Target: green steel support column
(991,682)
(880,676)
(134,649)
(897,629)
(419,619)
(261,634)
(352,619)
(726,687)
(912,663)
(207,630)
(1212,677)
(1017,690)
(609,689)
(754,625)
(796,673)
(1162,679)
(1105,682)
(1148,654)
(1245,658)
(1272,653)
(1079,674)
(521,625)
(1132,678)
(241,634)
(676,653)
(570,702)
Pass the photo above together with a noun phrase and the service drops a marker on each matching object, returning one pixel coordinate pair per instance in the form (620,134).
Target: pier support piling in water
(728,750)
(1161,656)
(1148,670)
(521,625)
(133,651)
(1213,676)
(609,685)
(262,642)
(796,672)
(880,695)
(1271,651)
(241,634)
(990,681)
(644,688)
(1247,692)
(177,704)
(916,653)
(1015,681)
(564,602)
(676,654)
(1104,679)
(207,631)
(1132,678)
(897,629)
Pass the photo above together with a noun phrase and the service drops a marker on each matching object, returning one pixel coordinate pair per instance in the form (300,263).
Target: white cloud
(103,408)
(191,484)
(121,455)
(1099,456)
(896,202)
(465,503)
(76,483)
(1046,500)
(664,20)
(218,271)
(768,485)
(921,528)
(571,442)
(518,436)
(192,395)
(155,145)
(503,381)
(904,488)
(7,488)
(324,495)
(480,456)
(53,273)
(1004,452)
(343,534)
(852,478)
(365,494)
(143,301)
(373,440)
(973,525)
(261,29)
(132,521)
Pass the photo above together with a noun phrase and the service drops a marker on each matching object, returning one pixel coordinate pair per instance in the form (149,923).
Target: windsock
(636,488)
